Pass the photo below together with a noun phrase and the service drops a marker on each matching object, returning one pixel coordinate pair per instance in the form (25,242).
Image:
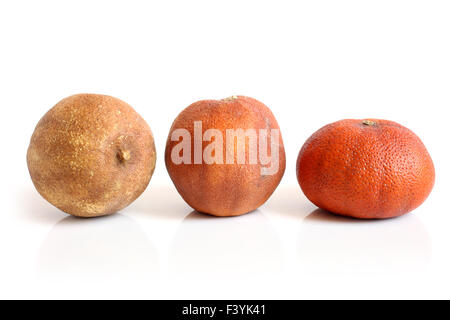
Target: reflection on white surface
(113,246)
(287,201)
(161,201)
(245,244)
(333,244)
(35,208)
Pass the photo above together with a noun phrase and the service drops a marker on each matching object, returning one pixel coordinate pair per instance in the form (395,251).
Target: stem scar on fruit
(369,123)
(123,155)
(231,98)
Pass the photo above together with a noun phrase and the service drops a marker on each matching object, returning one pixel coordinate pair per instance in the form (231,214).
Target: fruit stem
(123,155)
(230,98)
(369,123)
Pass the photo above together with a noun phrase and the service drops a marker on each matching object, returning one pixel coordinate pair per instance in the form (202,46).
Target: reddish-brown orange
(365,169)
(225,189)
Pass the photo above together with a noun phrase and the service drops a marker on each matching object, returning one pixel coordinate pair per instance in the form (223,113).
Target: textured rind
(224,189)
(91,155)
(365,171)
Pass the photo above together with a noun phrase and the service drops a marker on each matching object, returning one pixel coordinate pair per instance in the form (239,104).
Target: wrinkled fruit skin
(91,155)
(365,169)
(224,189)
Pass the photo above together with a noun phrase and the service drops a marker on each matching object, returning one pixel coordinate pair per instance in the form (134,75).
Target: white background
(311,62)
